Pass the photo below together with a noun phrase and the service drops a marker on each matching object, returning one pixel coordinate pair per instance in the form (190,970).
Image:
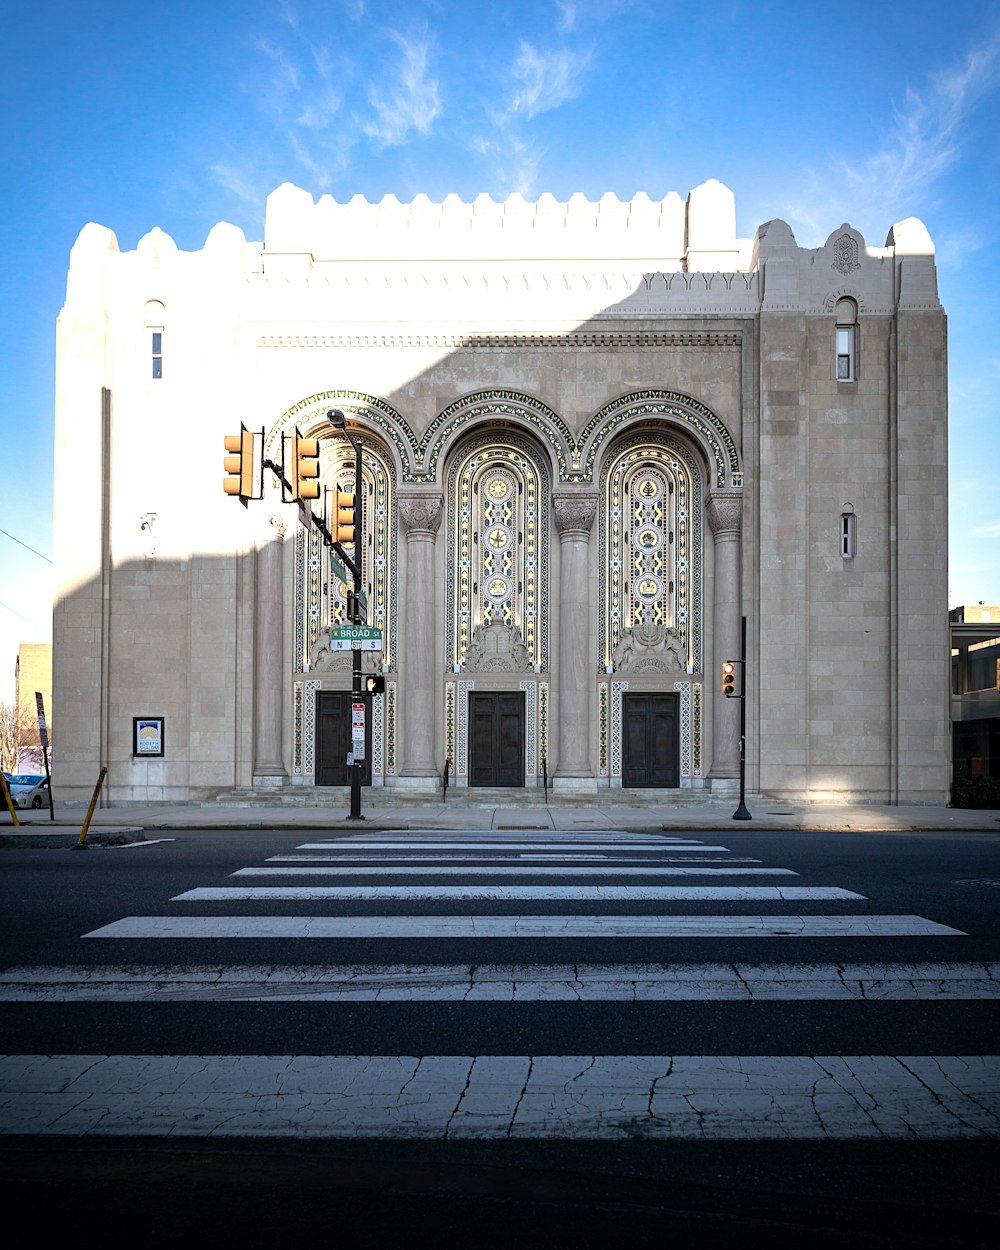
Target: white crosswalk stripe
(522,1096)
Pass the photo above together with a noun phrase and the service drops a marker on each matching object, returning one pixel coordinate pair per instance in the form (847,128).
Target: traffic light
(342,523)
(729,679)
(239,465)
(305,468)
(374,683)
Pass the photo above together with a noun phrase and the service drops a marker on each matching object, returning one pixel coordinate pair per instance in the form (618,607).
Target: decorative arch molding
(492,405)
(844,292)
(707,431)
(367,411)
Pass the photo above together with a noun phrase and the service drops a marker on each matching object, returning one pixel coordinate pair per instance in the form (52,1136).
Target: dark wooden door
(496,739)
(333,738)
(650,741)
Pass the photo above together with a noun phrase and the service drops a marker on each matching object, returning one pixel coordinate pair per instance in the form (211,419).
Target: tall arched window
(650,542)
(498,523)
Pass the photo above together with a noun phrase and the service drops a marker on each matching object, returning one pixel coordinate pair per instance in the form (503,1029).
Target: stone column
(725,516)
(574,513)
(420,517)
(269,658)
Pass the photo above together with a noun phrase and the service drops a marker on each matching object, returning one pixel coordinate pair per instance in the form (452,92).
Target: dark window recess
(157,354)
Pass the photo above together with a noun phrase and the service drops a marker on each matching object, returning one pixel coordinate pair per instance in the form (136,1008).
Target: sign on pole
(358,730)
(355,637)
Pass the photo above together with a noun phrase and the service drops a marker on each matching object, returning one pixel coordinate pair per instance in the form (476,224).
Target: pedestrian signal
(374,683)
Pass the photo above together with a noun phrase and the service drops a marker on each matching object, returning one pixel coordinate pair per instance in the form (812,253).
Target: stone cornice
(488,342)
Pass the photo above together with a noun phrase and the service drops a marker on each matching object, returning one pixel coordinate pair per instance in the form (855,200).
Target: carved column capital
(725,512)
(574,511)
(420,513)
(277,523)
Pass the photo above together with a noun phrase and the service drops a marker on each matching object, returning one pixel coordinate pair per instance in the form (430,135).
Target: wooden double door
(333,738)
(651,740)
(496,738)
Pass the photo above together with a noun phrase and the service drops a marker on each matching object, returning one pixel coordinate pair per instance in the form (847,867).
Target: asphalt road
(569,1185)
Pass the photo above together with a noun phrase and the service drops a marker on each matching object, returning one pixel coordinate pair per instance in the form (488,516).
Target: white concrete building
(594,436)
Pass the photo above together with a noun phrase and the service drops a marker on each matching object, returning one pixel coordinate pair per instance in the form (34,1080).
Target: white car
(29,790)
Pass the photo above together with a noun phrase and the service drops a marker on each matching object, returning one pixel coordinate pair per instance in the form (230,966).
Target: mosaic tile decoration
(297,723)
(618,688)
(497,536)
(697,690)
(450,724)
(367,410)
(390,728)
(650,542)
(602,729)
(309,728)
(489,406)
(543,721)
(462,734)
(530,689)
(683,688)
(708,430)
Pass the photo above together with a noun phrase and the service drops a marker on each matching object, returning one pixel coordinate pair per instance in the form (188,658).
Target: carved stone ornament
(845,254)
(496,649)
(574,511)
(649,647)
(420,512)
(324,660)
(725,512)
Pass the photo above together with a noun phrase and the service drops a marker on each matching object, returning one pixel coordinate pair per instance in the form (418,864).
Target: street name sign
(349,637)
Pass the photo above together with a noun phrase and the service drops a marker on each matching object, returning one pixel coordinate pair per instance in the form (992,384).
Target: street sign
(358,730)
(349,637)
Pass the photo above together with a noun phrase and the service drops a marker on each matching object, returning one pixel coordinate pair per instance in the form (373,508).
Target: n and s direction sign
(359,637)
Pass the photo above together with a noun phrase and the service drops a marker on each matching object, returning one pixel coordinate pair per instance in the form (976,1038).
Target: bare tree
(18,735)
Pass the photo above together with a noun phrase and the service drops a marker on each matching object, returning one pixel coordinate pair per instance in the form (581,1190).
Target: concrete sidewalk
(118,824)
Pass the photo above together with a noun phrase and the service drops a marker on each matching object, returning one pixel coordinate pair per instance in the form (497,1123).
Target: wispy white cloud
(990,530)
(545,80)
(926,141)
(414,104)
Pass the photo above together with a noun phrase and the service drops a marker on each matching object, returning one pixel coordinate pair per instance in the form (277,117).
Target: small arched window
(155,317)
(847,340)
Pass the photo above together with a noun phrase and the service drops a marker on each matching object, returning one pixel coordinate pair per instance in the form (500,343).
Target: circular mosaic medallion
(497,538)
(498,488)
(647,589)
(648,539)
(647,488)
(497,589)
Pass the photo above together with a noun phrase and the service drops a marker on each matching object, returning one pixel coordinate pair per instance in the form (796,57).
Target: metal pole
(81,841)
(356,691)
(742,813)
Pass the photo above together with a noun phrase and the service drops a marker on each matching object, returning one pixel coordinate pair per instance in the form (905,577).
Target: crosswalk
(504,905)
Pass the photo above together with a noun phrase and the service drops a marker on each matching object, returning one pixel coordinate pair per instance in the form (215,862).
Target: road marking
(461,847)
(506,859)
(369,927)
(388,867)
(471,983)
(491,1097)
(519,893)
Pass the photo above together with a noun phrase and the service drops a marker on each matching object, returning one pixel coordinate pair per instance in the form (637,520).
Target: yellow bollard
(6,798)
(93,803)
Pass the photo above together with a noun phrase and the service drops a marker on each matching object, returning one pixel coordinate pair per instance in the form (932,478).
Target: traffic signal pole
(742,812)
(357,694)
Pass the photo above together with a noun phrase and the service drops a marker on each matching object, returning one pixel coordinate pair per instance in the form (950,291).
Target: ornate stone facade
(586,453)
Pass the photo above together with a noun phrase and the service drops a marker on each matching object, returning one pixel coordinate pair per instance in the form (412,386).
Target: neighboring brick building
(594,435)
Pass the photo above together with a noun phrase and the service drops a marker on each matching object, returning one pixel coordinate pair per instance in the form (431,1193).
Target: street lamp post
(339,422)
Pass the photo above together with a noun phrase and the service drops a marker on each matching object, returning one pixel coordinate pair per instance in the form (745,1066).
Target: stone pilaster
(269,658)
(725,516)
(420,517)
(574,512)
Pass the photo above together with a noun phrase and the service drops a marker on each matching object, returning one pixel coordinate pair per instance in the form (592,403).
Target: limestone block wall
(571,306)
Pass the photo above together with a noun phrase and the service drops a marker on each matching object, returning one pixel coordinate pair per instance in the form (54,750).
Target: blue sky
(185,114)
